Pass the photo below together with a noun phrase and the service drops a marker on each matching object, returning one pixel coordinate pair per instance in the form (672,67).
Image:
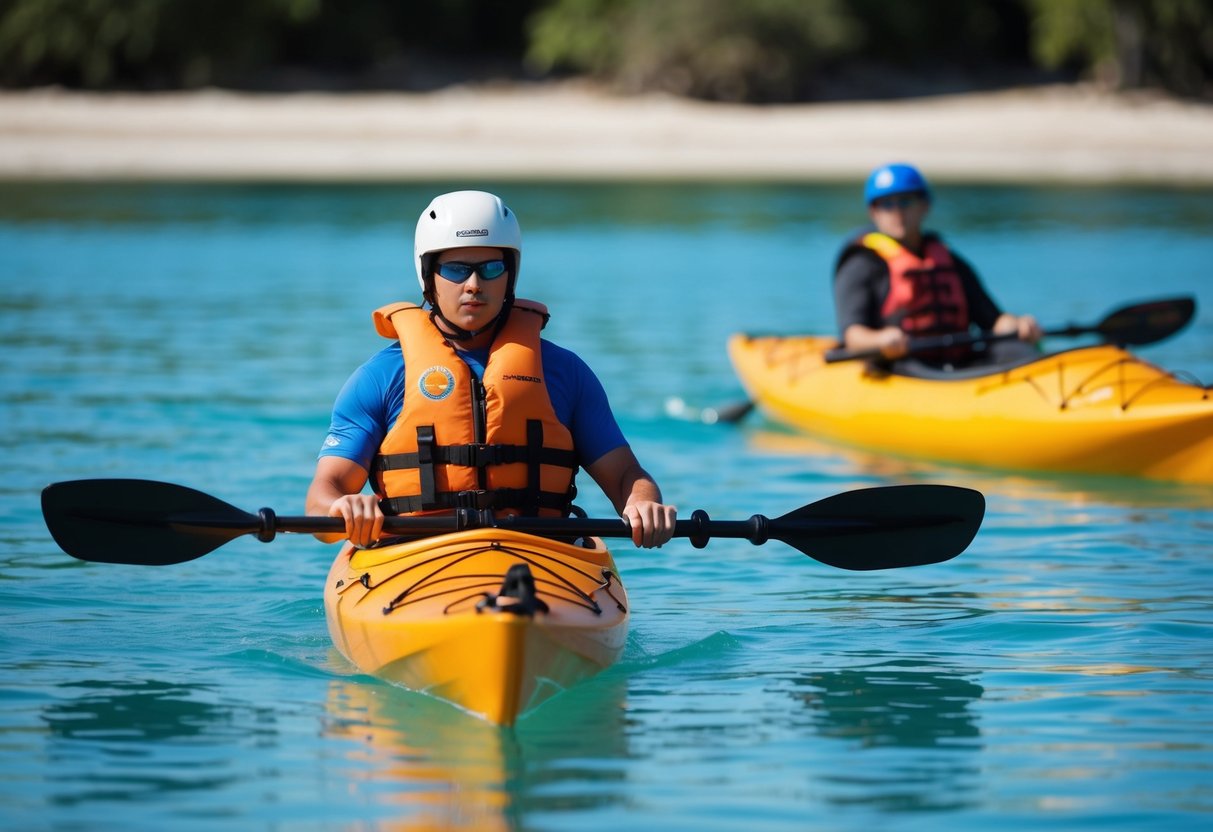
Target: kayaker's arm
(635,496)
(336,491)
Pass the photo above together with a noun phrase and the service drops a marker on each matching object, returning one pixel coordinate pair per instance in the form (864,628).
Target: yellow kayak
(1092,410)
(438,615)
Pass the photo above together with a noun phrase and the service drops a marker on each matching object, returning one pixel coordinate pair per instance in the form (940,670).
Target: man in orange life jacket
(468,406)
(896,282)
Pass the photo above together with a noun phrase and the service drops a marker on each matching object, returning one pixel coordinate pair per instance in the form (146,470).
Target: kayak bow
(492,620)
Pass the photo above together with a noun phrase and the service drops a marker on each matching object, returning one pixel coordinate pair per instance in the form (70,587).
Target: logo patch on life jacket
(436,383)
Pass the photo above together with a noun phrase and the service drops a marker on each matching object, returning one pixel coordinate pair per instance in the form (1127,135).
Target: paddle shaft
(1141,323)
(700,528)
(953,339)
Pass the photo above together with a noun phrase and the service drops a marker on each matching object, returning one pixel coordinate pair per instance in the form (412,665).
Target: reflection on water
(141,711)
(428,765)
(118,736)
(898,705)
(411,762)
(842,460)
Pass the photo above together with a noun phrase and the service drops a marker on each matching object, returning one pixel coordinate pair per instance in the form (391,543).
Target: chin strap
(453,331)
(457,333)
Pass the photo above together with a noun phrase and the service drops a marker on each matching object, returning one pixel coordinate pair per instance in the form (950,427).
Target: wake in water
(677,408)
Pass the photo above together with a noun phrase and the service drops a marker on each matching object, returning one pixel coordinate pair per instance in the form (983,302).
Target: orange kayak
(1092,410)
(491,620)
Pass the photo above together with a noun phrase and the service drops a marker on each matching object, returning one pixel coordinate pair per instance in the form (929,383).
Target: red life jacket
(926,294)
(464,443)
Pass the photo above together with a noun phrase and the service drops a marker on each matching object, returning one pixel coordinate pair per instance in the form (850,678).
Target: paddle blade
(885,528)
(1147,323)
(730,413)
(140,522)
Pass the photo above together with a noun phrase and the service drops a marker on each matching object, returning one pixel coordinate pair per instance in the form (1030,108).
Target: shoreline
(573,131)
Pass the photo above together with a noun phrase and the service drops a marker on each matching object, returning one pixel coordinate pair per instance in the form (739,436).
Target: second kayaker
(469,407)
(895,281)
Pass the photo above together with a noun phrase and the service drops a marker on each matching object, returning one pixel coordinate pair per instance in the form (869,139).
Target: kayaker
(468,407)
(894,281)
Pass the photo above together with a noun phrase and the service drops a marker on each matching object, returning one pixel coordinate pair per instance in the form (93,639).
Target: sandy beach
(1070,134)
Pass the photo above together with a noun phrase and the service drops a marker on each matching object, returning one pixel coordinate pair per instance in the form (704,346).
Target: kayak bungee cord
(560,585)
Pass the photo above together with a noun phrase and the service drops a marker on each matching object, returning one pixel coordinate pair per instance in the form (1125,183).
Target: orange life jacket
(464,443)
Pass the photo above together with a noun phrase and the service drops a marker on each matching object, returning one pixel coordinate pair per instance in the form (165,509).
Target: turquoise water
(1058,674)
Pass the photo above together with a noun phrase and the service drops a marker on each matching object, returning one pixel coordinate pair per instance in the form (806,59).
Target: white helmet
(462,219)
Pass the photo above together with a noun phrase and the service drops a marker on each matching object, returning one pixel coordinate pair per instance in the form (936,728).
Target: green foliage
(579,34)
(158,44)
(734,50)
(85,39)
(1129,43)
(715,49)
(149,43)
(1072,30)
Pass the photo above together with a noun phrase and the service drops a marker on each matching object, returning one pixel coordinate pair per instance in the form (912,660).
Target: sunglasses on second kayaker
(457,272)
(888,203)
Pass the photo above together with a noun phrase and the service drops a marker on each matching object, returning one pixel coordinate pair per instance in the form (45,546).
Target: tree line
(726,50)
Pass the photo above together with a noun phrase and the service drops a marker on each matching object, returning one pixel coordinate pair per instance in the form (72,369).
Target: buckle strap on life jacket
(528,500)
(425,461)
(476,456)
(534,440)
(501,498)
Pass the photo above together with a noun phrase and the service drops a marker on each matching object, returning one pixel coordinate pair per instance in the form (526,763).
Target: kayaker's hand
(1023,327)
(362,515)
(1029,330)
(652,523)
(892,342)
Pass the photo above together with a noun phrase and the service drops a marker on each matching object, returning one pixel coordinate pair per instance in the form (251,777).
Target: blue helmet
(887,180)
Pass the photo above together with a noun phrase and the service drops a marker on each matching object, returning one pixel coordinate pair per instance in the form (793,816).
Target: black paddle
(1135,325)
(1141,323)
(158,523)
